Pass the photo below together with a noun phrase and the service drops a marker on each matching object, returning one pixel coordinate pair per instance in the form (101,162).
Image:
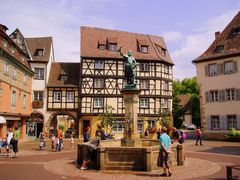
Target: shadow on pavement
(228,150)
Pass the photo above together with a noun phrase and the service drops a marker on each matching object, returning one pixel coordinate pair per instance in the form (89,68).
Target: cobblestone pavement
(202,162)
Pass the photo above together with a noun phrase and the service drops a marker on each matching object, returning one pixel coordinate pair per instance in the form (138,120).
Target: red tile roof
(35,43)
(91,37)
(226,39)
(71,70)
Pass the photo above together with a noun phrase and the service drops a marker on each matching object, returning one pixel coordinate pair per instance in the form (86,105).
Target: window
(219,49)
(163,52)
(57,96)
(230,94)
(101,47)
(228,67)
(38,52)
(166,69)
(165,86)
(70,96)
(64,78)
(215,122)
(113,47)
(39,73)
(14,73)
(24,101)
(235,31)
(151,123)
(165,104)
(231,122)
(214,95)
(24,78)
(13,99)
(4,42)
(144,102)
(118,126)
(6,67)
(140,125)
(98,102)
(99,64)
(38,95)
(212,69)
(144,49)
(144,67)
(144,84)
(99,83)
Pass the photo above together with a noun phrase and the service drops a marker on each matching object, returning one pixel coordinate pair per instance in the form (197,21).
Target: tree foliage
(106,118)
(186,86)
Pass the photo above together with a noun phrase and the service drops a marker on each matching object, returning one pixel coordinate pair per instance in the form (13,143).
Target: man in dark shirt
(92,150)
(101,131)
(177,136)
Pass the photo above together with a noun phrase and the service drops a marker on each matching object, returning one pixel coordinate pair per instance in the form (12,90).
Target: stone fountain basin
(111,156)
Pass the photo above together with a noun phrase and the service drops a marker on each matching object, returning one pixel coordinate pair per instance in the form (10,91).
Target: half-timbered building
(102,76)
(63,97)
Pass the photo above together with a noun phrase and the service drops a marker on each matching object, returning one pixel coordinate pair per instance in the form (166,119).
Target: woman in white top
(9,137)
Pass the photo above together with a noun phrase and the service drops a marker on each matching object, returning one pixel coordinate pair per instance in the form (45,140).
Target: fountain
(131,152)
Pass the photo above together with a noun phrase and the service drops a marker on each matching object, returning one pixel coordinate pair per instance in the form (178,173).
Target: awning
(11,118)
(2,120)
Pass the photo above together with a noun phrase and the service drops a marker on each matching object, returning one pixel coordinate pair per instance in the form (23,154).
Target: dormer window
(4,42)
(235,31)
(112,47)
(38,52)
(99,64)
(101,47)
(219,49)
(64,78)
(144,49)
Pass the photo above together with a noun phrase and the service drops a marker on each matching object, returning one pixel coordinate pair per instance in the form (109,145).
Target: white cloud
(193,45)
(173,36)
(59,19)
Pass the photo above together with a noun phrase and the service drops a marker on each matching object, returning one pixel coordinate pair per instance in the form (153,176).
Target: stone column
(131,134)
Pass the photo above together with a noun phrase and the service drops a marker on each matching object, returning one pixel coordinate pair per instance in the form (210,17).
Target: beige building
(218,74)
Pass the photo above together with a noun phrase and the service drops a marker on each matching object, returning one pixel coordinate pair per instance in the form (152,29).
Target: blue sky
(187,26)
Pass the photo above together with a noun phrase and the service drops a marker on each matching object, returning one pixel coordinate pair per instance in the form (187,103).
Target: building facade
(219,79)
(63,98)
(102,77)
(40,55)
(15,85)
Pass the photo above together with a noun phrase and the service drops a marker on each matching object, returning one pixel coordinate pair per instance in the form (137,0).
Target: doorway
(39,128)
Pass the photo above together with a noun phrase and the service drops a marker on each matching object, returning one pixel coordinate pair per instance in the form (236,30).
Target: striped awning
(2,120)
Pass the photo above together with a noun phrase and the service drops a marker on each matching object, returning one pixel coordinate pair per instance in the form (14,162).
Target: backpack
(183,135)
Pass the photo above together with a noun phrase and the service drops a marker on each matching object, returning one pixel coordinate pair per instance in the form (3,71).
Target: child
(53,142)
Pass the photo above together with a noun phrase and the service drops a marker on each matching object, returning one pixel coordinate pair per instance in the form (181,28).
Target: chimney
(3,28)
(217,34)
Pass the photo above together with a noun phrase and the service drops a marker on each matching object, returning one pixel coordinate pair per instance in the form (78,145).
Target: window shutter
(209,127)
(206,71)
(220,69)
(238,122)
(238,94)
(207,96)
(235,66)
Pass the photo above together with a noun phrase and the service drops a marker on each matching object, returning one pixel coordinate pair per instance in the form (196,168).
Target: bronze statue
(130,68)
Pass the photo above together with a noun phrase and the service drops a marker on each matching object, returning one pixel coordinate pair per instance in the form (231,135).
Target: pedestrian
(158,133)
(146,134)
(56,141)
(198,136)
(15,141)
(86,136)
(9,138)
(164,159)
(42,141)
(178,135)
(53,141)
(71,141)
(60,139)
(91,151)
(99,126)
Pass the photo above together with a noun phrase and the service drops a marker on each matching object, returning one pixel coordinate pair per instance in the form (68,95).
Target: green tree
(106,118)
(186,86)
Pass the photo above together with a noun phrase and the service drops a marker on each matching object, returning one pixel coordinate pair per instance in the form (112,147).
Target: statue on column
(130,68)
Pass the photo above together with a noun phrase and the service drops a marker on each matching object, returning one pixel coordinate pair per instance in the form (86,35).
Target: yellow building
(219,79)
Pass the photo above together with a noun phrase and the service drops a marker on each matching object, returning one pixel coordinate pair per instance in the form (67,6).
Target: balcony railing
(37,104)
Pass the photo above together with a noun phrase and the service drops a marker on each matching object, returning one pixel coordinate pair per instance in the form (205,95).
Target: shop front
(34,125)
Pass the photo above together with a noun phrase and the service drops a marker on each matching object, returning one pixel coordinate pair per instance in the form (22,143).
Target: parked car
(191,127)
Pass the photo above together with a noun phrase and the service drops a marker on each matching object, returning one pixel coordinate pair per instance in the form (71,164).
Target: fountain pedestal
(131,135)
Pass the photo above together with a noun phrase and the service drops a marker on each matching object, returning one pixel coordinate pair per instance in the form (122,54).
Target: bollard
(180,155)
(229,173)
